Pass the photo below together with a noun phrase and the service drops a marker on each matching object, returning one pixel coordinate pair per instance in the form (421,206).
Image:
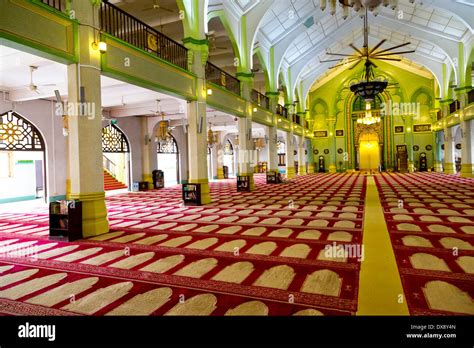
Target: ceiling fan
(157,6)
(211,37)
(366,53)
(34,87)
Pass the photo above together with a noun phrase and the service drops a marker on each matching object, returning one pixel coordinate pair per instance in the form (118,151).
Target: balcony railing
(282,111)
(454,106)
(59,5)
(261,99)
(470,96)
(296,118)
(109,166)
(123,26)
(219,77)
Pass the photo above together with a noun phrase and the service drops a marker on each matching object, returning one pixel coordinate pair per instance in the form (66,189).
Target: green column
(332,145)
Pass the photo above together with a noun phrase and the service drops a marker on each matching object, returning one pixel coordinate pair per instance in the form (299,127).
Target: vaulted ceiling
(300,32)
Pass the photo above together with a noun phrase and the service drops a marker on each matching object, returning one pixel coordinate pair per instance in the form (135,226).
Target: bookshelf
(402,159)
(65,220)
(158,179)
(243,183)
(143,186)
(273,178)
(192,194)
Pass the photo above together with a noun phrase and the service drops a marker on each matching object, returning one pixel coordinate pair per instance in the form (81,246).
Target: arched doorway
(229,157)
(22,159)
(168,159)
(380,132)
(369,151)
(116,158)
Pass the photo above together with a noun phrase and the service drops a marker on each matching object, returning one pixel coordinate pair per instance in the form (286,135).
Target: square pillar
(290,155)
(301,156)
(449,150)
(85,177)
(467,143)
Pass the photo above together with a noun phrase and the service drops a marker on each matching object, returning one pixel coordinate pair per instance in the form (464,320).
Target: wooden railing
(123,26)
(219,77)
(296,118)
(454,106)
(261,99)
(59,5)
(109,166)
(282,111)
(470,96)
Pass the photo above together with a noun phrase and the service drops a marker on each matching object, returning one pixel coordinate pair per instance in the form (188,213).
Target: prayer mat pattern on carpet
(430,217)
(257,253)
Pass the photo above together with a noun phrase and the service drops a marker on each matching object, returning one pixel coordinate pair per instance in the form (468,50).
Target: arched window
(18,134)
(114,140)
(281,147)
(228,148)
(359,104)
(169,146)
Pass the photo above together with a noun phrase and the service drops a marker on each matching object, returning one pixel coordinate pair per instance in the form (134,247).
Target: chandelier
(357,5)
(259,143)
(163,128)
(163,136)
(367,119)
(368,87)
(211,137)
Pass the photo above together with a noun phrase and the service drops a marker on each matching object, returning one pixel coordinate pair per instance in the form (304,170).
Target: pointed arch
(19,134)
(170,147)
(420,91)
(114,140)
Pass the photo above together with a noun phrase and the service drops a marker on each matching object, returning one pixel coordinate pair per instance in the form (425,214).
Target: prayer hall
(236,158)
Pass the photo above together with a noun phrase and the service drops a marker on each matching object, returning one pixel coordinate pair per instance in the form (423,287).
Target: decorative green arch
(235,47)
(261,59)
(422,90)
(470,61)
(319,101)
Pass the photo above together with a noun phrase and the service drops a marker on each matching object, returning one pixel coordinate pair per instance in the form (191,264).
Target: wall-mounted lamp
(209,91)
(254,109)
(279,120)
(101,46)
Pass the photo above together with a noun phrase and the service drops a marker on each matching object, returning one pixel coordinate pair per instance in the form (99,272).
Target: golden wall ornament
(152,42)
(367,129)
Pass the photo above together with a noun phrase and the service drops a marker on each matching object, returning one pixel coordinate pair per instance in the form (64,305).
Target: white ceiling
(430,25)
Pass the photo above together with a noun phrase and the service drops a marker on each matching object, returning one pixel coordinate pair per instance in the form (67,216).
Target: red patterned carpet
(430,217)
(260,253)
